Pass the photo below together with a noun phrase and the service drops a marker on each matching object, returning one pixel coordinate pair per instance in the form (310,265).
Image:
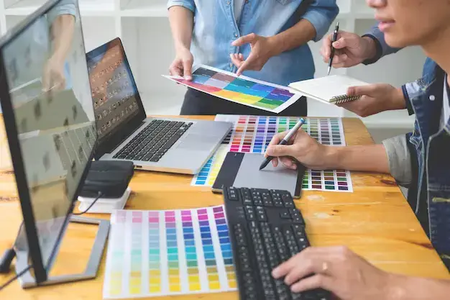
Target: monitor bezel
(109,143)
(41,271)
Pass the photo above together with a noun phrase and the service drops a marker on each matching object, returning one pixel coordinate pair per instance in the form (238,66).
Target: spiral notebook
(329,89)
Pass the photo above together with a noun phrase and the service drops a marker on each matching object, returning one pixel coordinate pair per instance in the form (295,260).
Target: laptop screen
(113,89)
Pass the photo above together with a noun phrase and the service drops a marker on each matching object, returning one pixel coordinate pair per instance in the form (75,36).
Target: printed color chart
(242,89)
(156,253)
(252,134)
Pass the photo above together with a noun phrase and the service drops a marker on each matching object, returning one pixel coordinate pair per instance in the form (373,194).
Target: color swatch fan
(173,252)
(243,90)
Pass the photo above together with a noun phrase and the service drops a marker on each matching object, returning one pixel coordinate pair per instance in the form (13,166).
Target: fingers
(187,69)
(237,59)
(245,64)
(289,163)
(325,50)
(363,90)
(341,43)
(281,150)
(249,38)
(175,69)
(311,283)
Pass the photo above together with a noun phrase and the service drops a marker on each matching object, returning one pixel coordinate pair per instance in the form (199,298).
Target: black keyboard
(265,230)
(153,141)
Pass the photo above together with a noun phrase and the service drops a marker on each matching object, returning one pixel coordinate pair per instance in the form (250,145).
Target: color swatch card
(252,134)
(243,90)
(157,253)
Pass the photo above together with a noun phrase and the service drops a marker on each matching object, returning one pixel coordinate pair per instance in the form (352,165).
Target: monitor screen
(113,89)
(50,103)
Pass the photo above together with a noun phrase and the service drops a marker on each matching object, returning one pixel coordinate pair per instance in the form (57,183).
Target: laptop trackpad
(197,142)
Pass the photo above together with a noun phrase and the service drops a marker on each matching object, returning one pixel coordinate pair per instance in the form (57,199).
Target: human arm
(350,277)
(374,98)
(313,155)
(312,26)
(354,49)
(181,18)
(62,30)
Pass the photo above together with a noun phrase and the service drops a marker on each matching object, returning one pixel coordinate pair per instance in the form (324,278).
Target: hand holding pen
(335,36)
(284,141)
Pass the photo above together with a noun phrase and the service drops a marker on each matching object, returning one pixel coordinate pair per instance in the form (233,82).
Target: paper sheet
(172,252)
(243,90)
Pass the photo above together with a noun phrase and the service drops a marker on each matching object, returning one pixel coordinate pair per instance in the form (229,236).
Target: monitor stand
(22,258)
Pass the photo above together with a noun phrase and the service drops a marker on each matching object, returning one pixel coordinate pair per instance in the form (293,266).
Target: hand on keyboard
(336,269)
(265,229)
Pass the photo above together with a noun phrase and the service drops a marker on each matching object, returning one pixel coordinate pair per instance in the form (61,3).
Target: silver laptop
(125,133)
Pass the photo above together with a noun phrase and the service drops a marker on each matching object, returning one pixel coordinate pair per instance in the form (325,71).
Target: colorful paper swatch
(252,134)
(157,253)
(243,90)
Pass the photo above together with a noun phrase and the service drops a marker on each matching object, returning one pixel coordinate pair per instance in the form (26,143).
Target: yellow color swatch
(135,290)
(214,285)
(229,269)
(155,280)
(173,272)
(227,94)
(114,290)
(192,271)
(155,289)
(135,281)
(213,277)
(232,284)
(231,275)
(194,287)
(174,280)
(154,273)
(248,99)
(194,278)
(175,288)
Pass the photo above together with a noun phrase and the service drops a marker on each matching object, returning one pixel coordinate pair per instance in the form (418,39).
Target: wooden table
(375,221)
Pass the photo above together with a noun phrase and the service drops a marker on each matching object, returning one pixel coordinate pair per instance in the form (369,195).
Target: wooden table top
(375,221)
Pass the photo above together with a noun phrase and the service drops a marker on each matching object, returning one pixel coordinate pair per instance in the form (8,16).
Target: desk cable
(99,195)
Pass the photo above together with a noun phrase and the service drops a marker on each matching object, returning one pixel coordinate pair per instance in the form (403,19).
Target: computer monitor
(50,124)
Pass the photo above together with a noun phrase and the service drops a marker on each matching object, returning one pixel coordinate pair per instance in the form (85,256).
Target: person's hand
(53,78)
(336,269)
(375,98)
(262,48)
(182,64)
(303,149)
(351,49)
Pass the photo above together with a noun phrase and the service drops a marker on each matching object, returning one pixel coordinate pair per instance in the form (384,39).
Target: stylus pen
(284,141)
(335,35)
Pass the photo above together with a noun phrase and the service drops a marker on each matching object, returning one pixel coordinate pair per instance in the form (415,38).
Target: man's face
(411,22)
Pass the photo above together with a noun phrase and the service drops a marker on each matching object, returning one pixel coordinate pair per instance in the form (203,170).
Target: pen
(335,35)
(284,141)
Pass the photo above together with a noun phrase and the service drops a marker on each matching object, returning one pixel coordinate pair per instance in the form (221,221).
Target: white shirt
(445,115)
(238,6)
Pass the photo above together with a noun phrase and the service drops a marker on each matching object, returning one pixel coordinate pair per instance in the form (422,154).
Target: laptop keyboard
(153,141)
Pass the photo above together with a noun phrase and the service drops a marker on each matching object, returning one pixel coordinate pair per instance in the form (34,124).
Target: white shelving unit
(144,28)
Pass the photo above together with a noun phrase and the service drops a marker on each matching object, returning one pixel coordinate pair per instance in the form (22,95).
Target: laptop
(124,131)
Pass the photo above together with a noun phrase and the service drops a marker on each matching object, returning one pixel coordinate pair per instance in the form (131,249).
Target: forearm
(181,22)
(370,158)
(413,288)
(62,31)
(299,34)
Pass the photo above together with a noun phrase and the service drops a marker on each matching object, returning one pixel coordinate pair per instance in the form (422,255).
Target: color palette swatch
(243,90)
(157,253)
(252,134)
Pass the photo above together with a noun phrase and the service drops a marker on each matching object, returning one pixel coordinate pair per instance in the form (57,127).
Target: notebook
(329,89)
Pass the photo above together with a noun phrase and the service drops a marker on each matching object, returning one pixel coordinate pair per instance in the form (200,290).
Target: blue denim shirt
(215,28)
(432,146)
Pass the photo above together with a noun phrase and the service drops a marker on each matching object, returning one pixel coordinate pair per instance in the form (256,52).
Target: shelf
(144,8)
(87,8)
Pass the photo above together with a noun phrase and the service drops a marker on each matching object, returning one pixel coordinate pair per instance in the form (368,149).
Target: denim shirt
(215,28)
(432,146)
